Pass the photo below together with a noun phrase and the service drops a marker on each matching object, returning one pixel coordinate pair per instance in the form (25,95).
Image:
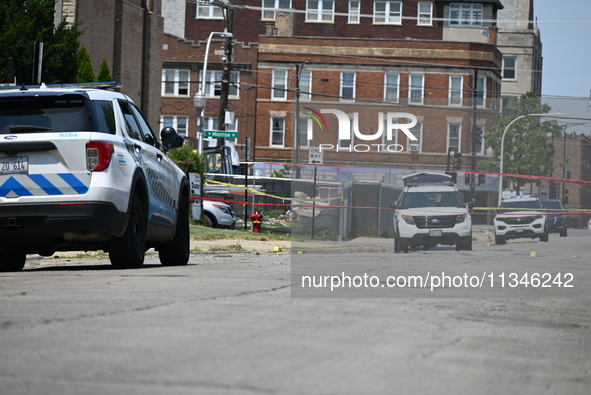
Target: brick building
(359,57)
(128,34)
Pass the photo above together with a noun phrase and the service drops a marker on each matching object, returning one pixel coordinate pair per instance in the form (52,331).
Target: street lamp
(503,148)
(200,100)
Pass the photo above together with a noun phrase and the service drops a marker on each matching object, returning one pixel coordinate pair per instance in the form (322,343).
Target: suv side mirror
(170,138)
(396,204)
(469,205)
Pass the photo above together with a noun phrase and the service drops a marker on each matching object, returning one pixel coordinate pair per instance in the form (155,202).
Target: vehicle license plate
(435,232)
(14,165)
(519,230)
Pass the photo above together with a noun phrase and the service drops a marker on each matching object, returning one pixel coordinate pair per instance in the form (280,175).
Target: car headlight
(408,219)
(223,208)
(461,218)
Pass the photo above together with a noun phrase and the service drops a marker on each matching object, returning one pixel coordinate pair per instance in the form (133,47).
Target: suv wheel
(176,252)
(465,246)
(128,251)
(564,232)
(500,240)
(544,236)
(12,261)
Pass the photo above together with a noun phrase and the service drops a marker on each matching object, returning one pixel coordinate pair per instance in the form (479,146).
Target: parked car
(218,215)
(556,219)
(589,224)
(520,217)
(81,170)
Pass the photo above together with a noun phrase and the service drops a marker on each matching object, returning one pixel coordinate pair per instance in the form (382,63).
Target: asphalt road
(243,324)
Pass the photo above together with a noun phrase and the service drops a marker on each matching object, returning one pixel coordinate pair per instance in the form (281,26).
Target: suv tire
(12,261)
(176,252)
(129,250)
(499,240)
(544,236)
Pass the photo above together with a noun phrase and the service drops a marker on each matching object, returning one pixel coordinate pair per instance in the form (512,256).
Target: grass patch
(203,233)
(231,247)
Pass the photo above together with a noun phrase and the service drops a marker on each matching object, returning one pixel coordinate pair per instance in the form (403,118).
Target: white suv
(431,211)
(520,217)
(81,170)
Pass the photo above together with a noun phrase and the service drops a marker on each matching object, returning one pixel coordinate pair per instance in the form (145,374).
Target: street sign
(315,156)
(222,134)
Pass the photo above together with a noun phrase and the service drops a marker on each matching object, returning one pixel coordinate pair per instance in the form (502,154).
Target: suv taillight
(98,155)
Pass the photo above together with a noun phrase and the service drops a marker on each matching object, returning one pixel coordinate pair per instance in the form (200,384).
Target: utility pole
(475,136)
(227,59)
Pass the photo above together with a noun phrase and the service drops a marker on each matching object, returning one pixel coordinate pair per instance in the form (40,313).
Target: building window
(354,11)
(270,6)
(391,88)
(175,82)
(213,87)
(509,67)
(179,123)
(209,12)
(277,138)
(306,85)
(480,94)
(388,12)
(346,143)
(465,14)
(319,10)
(455,89)
(454,134)
(306,126)
(347,86)
(279,83)
(387,142)
(415,145)
(416,89)
(425,13)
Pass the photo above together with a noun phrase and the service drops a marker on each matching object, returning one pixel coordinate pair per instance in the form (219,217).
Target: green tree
(188,160)
(22,23)
(527,148)
(85,72)
(104,74)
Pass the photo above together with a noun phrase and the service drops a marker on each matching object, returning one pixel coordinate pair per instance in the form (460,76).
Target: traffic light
(458,161)
(481,179)
(568,174)
(467,178)
(565,197)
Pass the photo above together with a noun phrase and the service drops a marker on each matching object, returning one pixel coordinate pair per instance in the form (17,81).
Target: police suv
(520,217)
(431,211)
(81,170)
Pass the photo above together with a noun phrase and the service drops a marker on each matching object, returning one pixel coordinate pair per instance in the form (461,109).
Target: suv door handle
(159,157)
(137,147)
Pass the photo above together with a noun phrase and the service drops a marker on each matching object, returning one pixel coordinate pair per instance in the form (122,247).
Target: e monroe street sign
(222,134)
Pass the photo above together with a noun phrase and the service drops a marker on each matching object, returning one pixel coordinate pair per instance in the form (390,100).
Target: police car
(81,170)
(431,211)
(520,217)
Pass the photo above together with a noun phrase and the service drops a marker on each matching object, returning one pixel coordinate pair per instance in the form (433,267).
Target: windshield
(66,113)
(520,205)
(552,205)
(432,199)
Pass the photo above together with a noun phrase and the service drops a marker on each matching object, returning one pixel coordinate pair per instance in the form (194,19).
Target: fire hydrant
(257,220)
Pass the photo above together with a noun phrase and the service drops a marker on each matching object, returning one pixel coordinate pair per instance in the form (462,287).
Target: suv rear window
(67,113)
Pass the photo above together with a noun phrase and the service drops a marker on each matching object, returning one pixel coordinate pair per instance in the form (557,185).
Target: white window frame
(389,86)
(388,16)
(347,143)
(418,128)
(413,88)
(425,13)
(178,83)
(273,131)
(481,92)
(456,94)
(209,12)
(213,83)
(306,85)
(268,13)
(279,92)
(320,13)
(306,130)
(513,69)
(354,15)
(450,126)
(343,86)
(177,122)
(465,14)
(385,140)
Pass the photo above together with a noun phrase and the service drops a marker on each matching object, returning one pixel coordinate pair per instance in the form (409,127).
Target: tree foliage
(85,72)
(188,160)
(22,23)
(105,73)
(527,148)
